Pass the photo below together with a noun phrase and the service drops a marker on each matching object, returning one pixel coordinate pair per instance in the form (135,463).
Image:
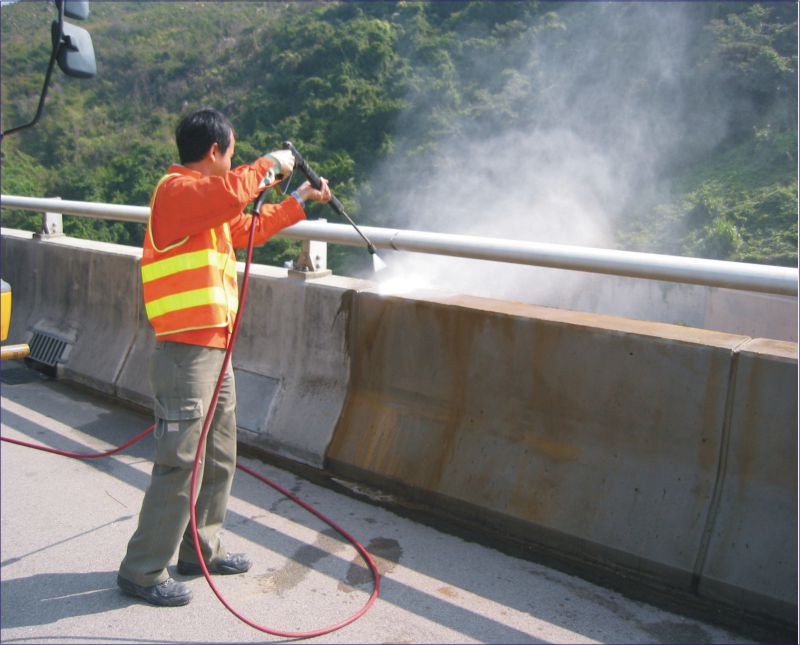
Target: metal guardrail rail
(713,273)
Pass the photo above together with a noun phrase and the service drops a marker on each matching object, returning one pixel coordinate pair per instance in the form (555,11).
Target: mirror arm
(53,55)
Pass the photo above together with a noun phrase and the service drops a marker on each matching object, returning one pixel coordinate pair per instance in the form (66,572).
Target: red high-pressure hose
(200,450)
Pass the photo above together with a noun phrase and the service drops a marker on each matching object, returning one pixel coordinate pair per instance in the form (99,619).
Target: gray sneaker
(169,593)
(230,564)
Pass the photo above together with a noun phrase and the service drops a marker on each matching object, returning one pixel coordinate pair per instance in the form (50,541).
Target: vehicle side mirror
(72,49)
(76,53)
(77,9)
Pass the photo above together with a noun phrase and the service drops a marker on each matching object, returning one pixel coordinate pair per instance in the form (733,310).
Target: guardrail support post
(312,262)
(52,226)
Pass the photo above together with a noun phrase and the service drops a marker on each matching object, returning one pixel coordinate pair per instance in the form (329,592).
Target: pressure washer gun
(314,179)
(334,203)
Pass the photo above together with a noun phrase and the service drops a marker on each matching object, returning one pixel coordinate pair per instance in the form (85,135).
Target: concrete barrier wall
(87,295)
(752,552)
(597,438)
(18,260)
(745,313)
(291,362)
(644,449)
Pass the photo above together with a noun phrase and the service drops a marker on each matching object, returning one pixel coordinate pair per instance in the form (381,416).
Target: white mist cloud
(601,110)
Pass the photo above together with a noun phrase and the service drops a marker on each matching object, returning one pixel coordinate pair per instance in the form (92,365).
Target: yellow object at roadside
(9,351)
(5,307)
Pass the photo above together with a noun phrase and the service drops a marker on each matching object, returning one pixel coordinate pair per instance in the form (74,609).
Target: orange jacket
(188,264)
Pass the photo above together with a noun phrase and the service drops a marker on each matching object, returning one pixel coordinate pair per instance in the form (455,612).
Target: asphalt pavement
(66,522)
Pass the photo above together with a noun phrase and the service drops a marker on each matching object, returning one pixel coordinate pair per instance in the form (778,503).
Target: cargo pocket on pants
(179,423)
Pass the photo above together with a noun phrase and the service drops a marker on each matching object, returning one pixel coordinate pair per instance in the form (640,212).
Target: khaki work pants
(183,378)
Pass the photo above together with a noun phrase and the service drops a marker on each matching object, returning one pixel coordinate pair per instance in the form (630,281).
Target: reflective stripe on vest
(184,262)
(190,284)
(185,300)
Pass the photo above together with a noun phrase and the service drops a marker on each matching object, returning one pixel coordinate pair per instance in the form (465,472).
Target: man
(191,299)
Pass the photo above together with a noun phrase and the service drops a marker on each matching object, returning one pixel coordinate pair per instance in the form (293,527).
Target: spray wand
(335,204)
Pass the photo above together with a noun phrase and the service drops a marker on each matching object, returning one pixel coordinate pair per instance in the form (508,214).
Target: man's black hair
(198,131)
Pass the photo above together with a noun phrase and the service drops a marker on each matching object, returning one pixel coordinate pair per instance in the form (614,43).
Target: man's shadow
(45,598)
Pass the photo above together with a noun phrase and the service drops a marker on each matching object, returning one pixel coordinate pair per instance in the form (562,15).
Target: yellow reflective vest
(190,284)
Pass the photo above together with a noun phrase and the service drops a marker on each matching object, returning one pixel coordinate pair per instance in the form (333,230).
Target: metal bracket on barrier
(312,263)
(52,226)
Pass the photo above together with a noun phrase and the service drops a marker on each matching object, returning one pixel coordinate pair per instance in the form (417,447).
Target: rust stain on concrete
(552,449)
(448,591)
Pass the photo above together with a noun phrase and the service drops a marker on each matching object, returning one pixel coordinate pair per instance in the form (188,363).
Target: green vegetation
(364,86)
(739,202)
